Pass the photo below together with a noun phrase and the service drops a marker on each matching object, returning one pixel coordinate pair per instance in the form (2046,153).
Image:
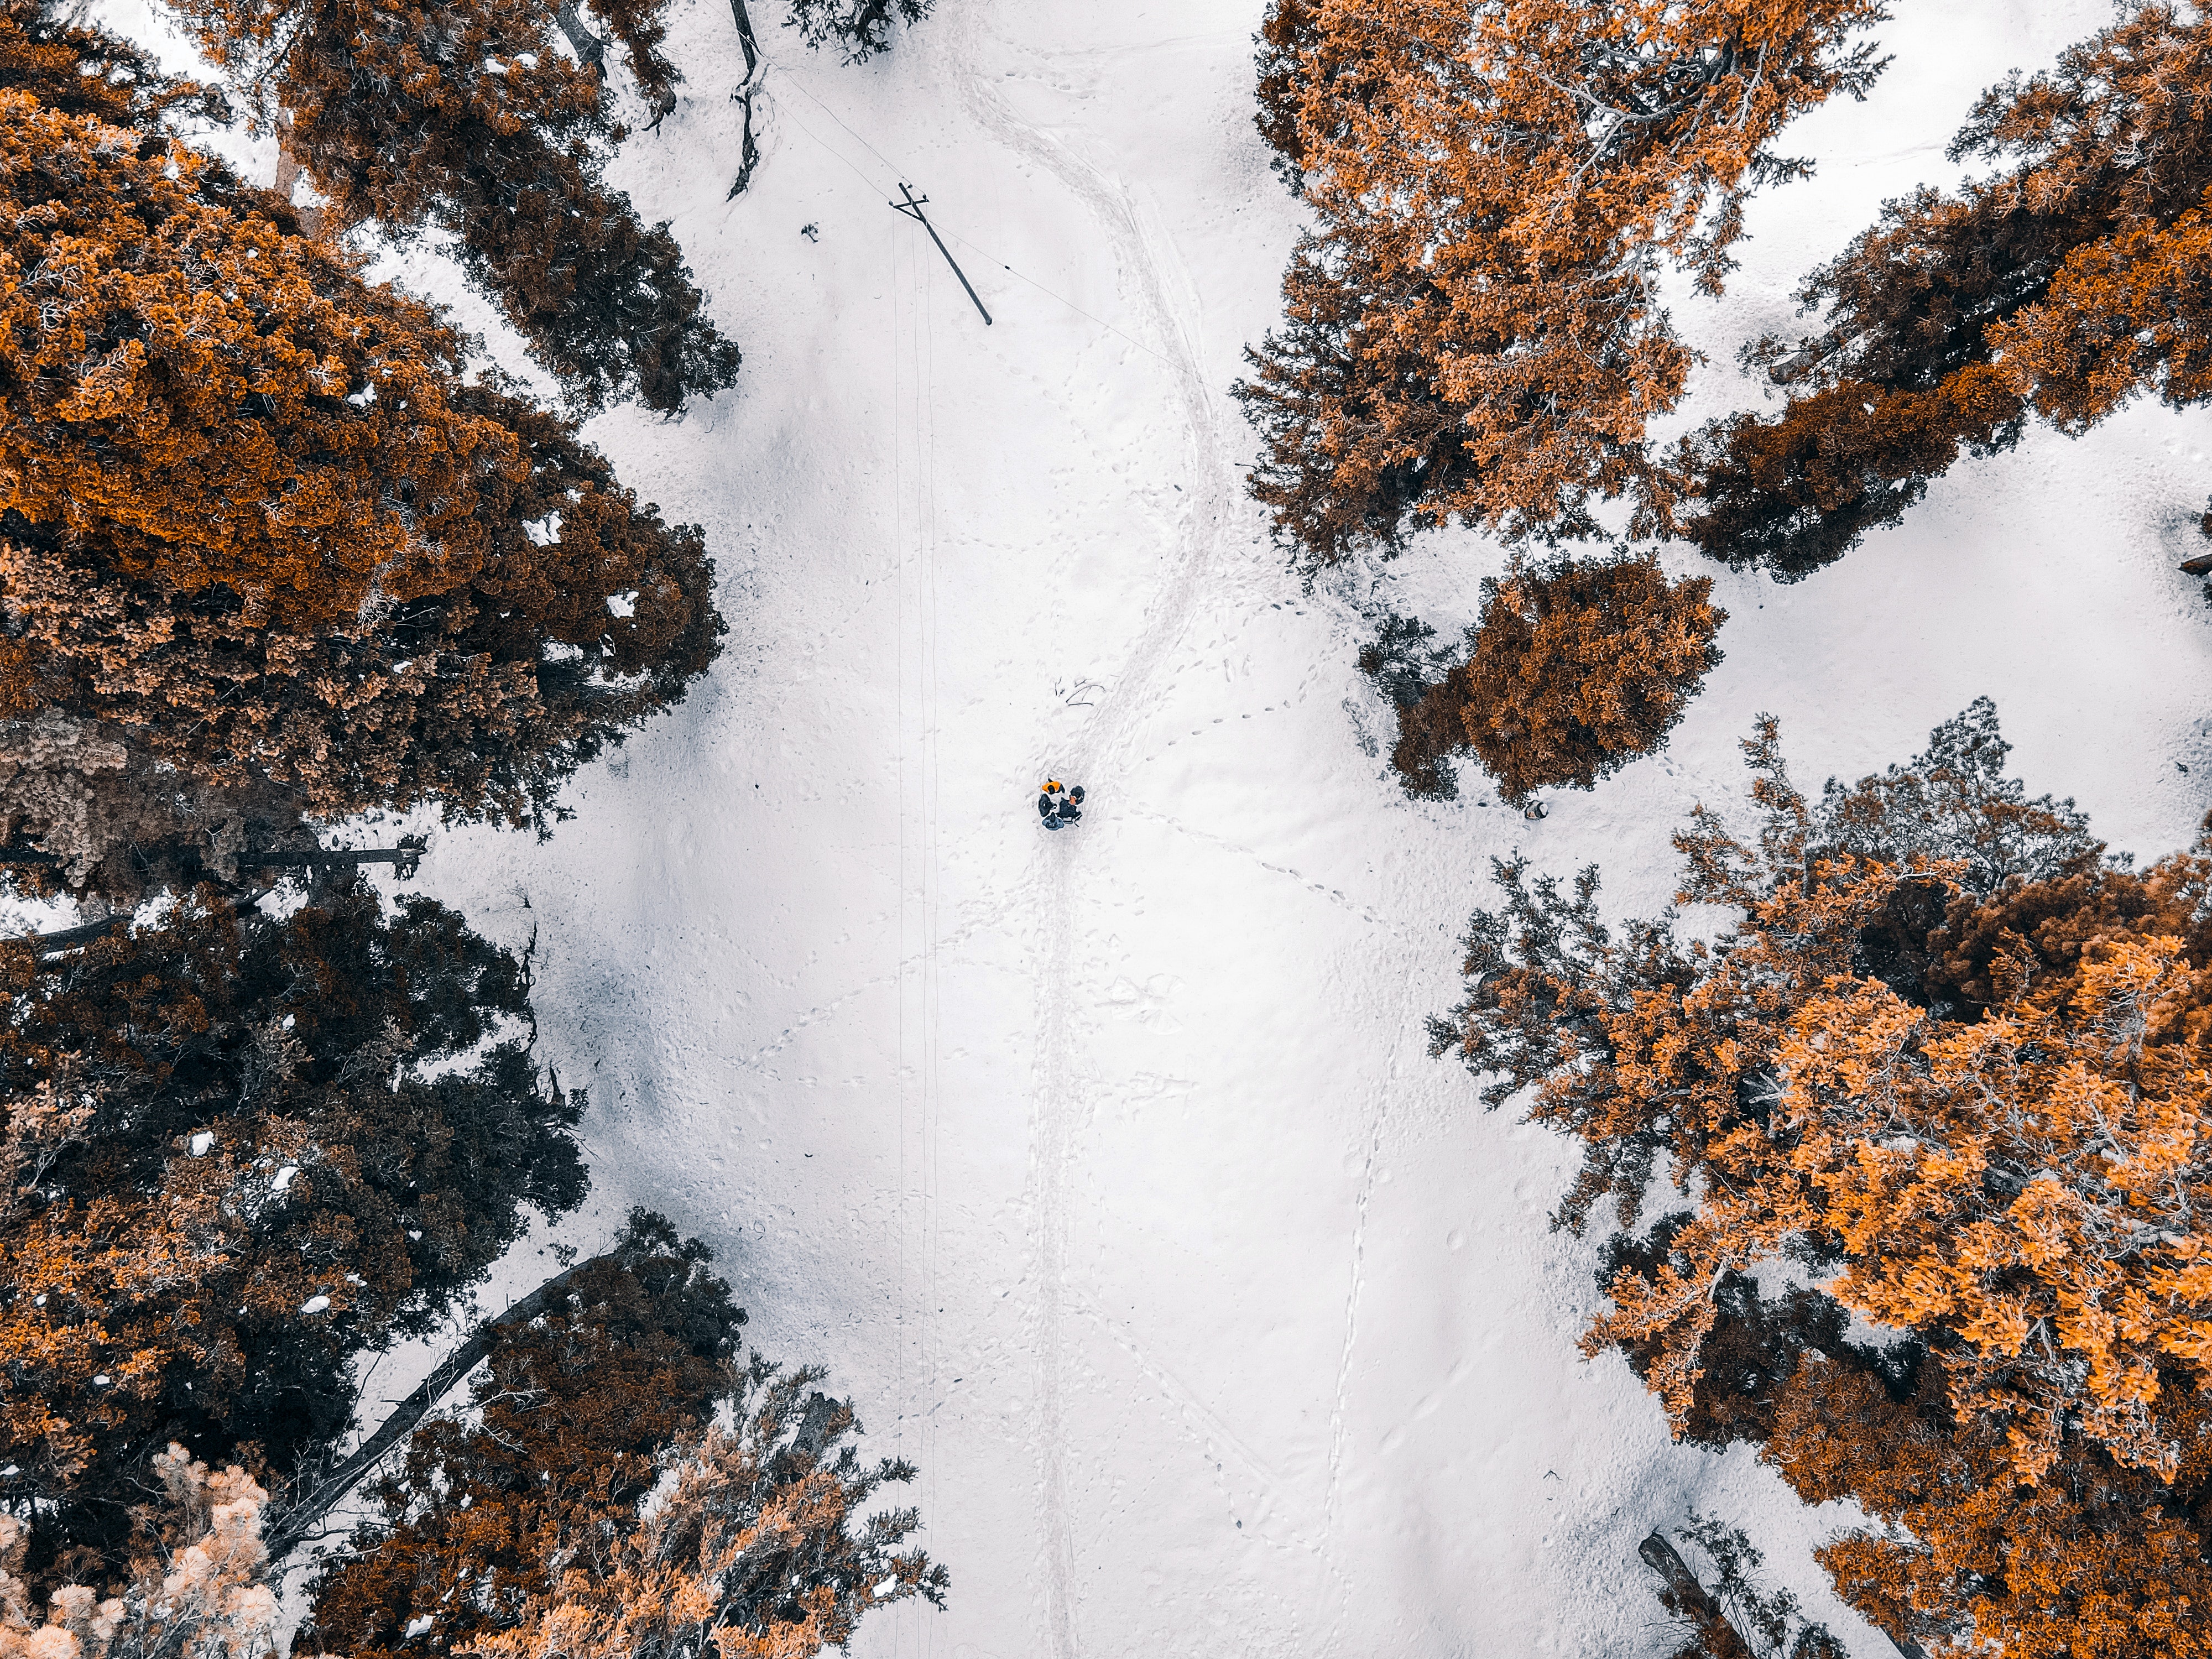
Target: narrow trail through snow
(1103,747)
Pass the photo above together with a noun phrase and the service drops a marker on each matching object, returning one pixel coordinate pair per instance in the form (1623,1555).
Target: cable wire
(981,252)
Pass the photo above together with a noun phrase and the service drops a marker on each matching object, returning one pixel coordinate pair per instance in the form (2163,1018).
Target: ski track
(1339,1427)
(1206,1430)
(1115,720)
(919,960)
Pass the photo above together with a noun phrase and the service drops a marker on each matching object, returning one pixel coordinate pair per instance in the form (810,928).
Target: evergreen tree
(197,1584)
(857,29)
(522,1533)
(759,1546)
(2093,1559)
(1576,668)
(1737,1618)
(238,1152)
(262,551)
(1471,331)
(1402,660)
(90,72)
(1952,1061)
(470,119)
(2057,288)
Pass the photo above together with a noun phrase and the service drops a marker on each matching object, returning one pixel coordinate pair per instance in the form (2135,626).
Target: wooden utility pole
(912,208)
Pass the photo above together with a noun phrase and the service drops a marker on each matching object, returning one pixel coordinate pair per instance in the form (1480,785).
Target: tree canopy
(1576,667)
(197,1584)
(759,1544)
(240,1151)
(2057,288)
(471,118)
(1471,330)
(264,550)
(524,1532)
(857,29)
(1949,1062)
(268,554)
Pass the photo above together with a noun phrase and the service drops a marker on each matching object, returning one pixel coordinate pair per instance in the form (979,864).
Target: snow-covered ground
(1107,1169)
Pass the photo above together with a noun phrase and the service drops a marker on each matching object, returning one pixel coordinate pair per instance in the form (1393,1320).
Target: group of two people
(1059,805)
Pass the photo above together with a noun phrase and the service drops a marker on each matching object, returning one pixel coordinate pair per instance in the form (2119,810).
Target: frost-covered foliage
(198,1588)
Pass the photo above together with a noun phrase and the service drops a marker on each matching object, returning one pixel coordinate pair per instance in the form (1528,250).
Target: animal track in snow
(1147,1003)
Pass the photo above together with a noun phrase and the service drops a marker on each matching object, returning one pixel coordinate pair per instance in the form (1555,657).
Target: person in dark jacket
(1059,806)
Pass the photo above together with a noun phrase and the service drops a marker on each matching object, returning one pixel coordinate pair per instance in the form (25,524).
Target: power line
(856,137)
(1069,303)
(831,149)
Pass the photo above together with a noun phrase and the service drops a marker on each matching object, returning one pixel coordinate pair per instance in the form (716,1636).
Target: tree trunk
(746,37)
(591,51)
(1807,357)
(288,175)
(1686,1597)
(313,1497)
(748,152)
(53,943)
(406,858)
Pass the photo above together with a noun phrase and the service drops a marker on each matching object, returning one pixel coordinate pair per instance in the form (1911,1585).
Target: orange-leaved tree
(759,1545)
(1471,328)
(2057,288)
(471,118)
(82,70)
(238,1153)
(1576,667)
(2093,1559)
(1956,1067)
(527,1531)
(263,549)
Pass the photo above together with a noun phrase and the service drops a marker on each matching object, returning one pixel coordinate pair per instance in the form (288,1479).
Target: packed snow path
(1107,1169)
